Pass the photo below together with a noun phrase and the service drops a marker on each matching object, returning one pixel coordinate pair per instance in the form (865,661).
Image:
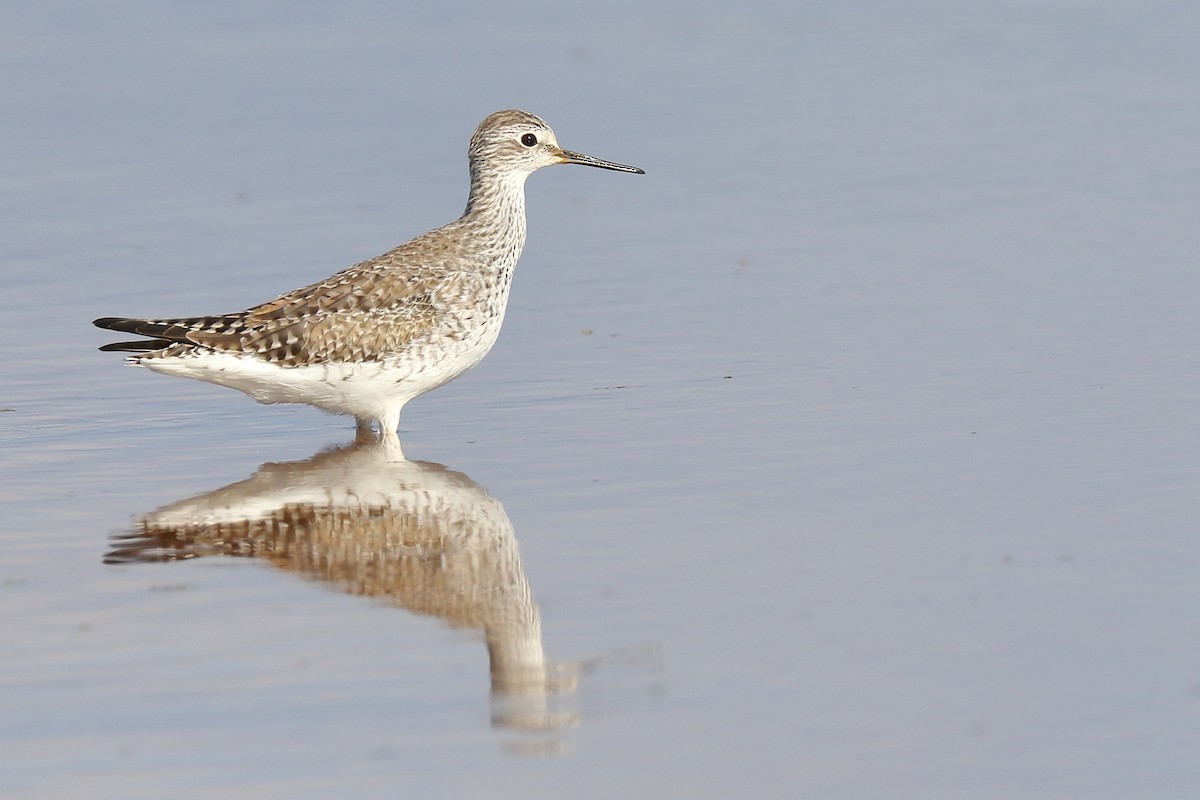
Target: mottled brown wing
(354,316)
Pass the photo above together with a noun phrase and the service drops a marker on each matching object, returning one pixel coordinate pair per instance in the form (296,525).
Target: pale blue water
(852,448)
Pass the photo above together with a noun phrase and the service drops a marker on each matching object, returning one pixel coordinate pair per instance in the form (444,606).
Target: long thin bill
(570,157)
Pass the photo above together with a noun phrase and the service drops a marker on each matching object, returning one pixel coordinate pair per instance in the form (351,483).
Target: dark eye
(529,140)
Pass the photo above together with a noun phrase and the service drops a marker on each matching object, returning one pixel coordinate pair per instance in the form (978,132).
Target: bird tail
(163,333)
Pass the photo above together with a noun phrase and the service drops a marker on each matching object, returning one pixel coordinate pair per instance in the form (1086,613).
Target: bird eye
(529,140)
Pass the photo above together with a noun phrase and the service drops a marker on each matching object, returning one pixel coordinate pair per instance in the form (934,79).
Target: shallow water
(851,451)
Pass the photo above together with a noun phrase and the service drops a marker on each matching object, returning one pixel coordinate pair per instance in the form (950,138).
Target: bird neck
(497,201)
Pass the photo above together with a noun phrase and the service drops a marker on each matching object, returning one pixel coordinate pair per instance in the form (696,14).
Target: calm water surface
(850,452)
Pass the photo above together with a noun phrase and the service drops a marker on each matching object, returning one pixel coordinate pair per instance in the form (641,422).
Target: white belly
(369,390)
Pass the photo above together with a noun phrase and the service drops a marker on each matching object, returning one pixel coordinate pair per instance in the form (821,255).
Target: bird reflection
(415,534)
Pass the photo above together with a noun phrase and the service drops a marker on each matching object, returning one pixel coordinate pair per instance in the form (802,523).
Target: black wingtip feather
(137,346)
(124,325)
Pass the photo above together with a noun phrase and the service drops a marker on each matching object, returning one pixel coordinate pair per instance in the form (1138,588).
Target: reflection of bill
(415,534)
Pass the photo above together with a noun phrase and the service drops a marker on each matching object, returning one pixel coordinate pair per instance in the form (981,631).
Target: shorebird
(412,534)
(372,337)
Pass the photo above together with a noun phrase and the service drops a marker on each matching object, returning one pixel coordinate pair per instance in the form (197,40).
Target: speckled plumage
(372,337)
(412,534)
